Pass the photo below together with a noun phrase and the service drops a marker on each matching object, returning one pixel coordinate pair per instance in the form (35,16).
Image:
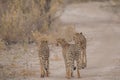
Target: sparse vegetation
(115,6)
(23,16)
(23,22)
(19,17)
(2,44)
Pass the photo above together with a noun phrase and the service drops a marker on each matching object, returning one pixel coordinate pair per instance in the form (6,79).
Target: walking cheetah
(44,58)
(81,41)
(70,54)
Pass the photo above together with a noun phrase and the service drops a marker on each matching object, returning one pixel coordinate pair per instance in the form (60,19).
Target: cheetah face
(60,41)
(44,42)
(76,37)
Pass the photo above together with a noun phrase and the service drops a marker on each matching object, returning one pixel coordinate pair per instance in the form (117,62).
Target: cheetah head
(76,37)
(60,41)
(44,41)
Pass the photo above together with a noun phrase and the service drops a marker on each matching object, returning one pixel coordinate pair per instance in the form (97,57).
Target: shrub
(24,16)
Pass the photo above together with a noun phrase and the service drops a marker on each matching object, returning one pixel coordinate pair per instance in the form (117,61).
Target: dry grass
(26,72)
(14,71)
(66,32)
(23,16)
(69,32)
(37,36)
(2,45)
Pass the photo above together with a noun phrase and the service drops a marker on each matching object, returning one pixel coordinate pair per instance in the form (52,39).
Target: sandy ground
(102,30)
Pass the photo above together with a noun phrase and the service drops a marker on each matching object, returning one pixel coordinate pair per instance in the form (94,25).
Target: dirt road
(102,30)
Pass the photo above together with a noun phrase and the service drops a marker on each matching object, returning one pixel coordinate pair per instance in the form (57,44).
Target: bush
(24,16)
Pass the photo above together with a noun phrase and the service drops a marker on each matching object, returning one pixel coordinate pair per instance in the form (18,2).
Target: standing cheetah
(44,58)
(81,41)
(70,54)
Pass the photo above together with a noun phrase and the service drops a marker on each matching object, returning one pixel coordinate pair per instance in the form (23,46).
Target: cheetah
(81,41)
(70,54)
(44,58)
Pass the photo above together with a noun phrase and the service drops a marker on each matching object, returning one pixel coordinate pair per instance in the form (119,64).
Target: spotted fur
(44,58)
(81,42)
(70,54)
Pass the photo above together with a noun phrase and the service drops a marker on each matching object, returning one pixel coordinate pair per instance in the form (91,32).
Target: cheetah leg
(72,69)
(42,71)
(78,73)
(47,68)
(78,68)
(84,58)
(65,67)
(72,72)
(68,72)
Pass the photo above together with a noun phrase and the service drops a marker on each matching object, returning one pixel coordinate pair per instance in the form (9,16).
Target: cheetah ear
(73,37)
(57,44)
(81,33)
(46,41)
(64,40)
